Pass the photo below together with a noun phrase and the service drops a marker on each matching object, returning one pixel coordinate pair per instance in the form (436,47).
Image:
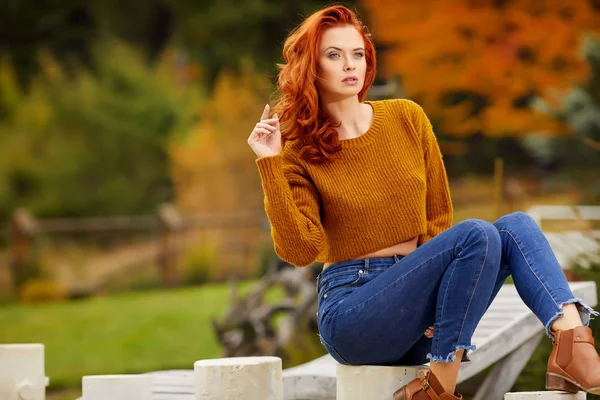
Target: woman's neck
(355,117)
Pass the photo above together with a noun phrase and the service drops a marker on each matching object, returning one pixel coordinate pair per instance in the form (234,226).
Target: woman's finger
(266,126)
(262,131)
(271,121)
(265,113)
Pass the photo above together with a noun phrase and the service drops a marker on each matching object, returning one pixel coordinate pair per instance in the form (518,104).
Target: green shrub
(81,142)
(199,263)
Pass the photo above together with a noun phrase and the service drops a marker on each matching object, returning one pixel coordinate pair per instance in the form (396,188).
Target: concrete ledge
(314,380)
(239,378)
(116,387)
(546,395)
(372,382)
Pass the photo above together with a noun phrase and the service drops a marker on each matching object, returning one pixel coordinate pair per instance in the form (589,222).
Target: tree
(580,107)
(87,143)
(217,34)
(475,65)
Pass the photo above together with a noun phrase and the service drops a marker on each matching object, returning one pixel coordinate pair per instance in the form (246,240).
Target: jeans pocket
(338,281)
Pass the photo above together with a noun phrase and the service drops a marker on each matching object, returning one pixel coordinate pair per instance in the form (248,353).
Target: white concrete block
(22,375)
(372,382)
(545,395)
(116,387)
(239,378)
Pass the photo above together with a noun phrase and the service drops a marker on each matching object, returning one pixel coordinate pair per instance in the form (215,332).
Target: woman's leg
(447,280)
(537,275)
(574,362)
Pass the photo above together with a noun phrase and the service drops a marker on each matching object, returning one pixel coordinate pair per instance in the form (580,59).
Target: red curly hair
(298,105)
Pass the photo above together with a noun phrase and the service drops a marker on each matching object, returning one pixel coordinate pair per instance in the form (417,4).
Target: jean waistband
(363,263)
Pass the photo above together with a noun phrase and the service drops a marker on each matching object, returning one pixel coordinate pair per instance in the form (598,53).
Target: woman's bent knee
(481,240)
(480,232)
(514,219)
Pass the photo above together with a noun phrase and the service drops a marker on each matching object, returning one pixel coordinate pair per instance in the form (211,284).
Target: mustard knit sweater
(384,187)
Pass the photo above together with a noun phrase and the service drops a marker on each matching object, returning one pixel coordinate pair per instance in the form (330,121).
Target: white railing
(580,246)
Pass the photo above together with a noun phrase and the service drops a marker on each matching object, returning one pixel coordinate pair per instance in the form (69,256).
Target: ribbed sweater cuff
(272,177)
(270,167)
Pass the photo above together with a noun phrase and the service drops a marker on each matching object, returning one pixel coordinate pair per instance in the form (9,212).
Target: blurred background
(129,198)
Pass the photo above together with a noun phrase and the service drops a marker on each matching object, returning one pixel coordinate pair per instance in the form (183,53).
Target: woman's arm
(438,201)
(292,206)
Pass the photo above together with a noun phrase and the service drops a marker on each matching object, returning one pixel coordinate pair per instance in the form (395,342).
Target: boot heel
(554,382)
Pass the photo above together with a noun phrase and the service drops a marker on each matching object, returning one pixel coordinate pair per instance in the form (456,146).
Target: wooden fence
(167,227)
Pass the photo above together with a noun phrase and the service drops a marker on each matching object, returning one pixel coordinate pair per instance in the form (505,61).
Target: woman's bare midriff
(398,249)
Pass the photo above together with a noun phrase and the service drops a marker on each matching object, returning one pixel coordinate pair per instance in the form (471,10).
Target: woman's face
(341,56)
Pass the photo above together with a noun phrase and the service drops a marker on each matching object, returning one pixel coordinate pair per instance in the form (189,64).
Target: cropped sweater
(384,187)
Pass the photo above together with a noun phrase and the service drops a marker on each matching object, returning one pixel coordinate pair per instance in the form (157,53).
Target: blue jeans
(374,311)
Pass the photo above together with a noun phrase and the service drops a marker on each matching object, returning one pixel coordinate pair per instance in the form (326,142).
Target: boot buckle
(425,381)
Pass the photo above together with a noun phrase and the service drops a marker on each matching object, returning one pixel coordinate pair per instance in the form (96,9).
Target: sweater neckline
(366,137)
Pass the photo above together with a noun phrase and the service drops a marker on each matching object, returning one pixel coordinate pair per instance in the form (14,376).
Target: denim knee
(512,220)
(481,232)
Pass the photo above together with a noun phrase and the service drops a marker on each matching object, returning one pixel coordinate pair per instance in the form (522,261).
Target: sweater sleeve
(292,206)
(438,202)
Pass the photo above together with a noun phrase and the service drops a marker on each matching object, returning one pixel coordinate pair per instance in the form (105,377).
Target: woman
(361,186)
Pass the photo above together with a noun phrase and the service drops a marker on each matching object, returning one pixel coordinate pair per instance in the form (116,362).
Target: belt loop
(396,258)
(366,265)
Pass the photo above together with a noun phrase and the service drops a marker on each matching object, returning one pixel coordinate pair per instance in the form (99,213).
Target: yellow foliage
(41,290)
(213,167)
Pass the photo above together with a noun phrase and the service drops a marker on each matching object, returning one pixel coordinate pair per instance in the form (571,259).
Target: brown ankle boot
(425,387)
(574,362)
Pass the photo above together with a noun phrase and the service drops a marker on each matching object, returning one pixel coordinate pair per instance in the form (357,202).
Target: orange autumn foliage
(498,52)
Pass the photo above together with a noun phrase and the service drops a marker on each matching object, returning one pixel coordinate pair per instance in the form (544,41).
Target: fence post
(170,224)
(22,374)
(22,229)
(498,187)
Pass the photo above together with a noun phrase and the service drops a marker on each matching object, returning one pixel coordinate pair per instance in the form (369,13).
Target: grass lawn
(125,333)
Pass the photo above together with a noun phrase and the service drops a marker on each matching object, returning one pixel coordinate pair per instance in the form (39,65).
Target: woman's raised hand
(265,139)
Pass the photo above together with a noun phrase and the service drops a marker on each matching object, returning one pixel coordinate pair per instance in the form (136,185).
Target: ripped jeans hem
(585,313)
(452,355)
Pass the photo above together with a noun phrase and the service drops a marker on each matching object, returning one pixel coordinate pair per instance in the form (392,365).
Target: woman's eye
(336,55)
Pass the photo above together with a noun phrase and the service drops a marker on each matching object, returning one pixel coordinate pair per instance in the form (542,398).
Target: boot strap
(426,387)
(579,339)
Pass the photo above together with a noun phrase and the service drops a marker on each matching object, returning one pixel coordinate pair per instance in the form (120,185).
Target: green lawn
(125,333)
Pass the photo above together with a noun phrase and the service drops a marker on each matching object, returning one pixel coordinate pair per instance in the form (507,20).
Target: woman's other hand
(429,332)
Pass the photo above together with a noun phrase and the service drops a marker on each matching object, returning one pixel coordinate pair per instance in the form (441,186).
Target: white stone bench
(548,395)
(239,378)
(372,382)
(116,387)
(232,378)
